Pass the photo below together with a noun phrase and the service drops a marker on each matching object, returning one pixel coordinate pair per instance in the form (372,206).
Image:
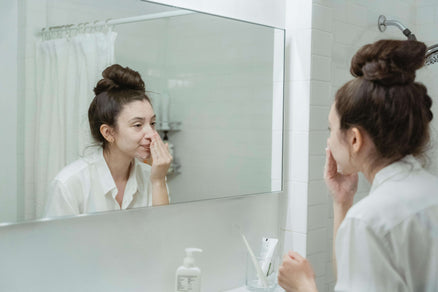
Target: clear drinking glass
(252,281)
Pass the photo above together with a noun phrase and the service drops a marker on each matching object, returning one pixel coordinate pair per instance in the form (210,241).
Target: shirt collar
(131,185)
(106,179)
(398,169)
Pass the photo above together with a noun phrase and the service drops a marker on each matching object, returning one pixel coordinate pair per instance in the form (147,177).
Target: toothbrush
(260,274)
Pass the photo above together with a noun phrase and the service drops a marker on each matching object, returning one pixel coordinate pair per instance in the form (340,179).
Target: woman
(122,122)
(379,125)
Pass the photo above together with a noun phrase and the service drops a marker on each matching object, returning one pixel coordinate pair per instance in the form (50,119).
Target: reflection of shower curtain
(67,70)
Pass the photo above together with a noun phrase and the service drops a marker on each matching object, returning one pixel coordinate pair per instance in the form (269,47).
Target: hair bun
(118,77)
(389,62)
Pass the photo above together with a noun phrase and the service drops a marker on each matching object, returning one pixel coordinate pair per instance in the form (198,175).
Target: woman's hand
(342,187)
(296,274)
(161,159)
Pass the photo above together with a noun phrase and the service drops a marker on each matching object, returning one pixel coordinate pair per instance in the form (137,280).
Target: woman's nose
(149,133)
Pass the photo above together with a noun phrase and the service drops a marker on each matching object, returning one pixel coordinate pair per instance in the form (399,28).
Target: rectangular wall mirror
(218,80)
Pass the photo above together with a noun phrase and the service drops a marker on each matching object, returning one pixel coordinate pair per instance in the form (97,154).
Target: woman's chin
(142,155)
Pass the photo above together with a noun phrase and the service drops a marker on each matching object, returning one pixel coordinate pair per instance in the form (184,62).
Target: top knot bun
(118,77)
(389,62)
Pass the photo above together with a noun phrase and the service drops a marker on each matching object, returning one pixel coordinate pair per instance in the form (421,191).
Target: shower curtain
(67,70)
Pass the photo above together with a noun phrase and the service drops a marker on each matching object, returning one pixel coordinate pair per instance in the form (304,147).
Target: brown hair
(384,99)
(119,86)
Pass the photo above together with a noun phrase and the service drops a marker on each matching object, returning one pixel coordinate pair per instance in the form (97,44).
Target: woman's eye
(137,125)
(153,124)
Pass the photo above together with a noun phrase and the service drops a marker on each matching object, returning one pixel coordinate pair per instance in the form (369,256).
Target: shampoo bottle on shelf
(171,151)
(188,276)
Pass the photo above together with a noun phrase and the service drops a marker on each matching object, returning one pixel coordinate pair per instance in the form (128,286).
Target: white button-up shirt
(389,240)
(86,186)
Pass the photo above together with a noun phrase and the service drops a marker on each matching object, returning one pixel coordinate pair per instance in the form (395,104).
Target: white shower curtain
(67,70)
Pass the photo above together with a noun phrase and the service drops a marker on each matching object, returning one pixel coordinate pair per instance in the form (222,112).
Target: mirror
(218,80)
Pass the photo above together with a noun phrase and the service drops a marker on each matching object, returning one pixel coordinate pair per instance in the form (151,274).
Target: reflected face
(337,143)
(135,128)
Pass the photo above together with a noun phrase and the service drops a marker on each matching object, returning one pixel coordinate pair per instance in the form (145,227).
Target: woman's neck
(372,166)
(118,164)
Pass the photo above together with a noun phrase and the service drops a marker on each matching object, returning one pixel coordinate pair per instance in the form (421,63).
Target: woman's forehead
(138,108)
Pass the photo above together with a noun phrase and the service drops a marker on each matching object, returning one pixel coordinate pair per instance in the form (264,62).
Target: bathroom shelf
(173,126)
(176,166)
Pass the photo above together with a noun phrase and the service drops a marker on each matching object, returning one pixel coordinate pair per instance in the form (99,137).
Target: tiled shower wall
(427,31)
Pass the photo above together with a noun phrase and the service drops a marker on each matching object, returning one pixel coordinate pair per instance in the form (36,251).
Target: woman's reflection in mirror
(128,167)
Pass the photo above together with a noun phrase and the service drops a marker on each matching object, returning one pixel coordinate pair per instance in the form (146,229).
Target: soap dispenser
(188,276)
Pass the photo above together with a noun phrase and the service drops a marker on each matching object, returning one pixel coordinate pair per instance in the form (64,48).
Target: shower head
(432,52)
(382,23)
(432,55)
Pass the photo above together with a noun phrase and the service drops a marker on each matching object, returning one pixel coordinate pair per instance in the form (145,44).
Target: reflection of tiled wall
(219,76)
(186,56)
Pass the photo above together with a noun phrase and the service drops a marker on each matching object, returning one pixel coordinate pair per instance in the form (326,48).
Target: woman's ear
(107,133)
(356,139)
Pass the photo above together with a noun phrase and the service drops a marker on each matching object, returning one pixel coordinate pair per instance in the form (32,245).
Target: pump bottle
(188,276)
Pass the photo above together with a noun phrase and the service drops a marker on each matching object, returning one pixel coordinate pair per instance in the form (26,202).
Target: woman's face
(135,128)
(337,143)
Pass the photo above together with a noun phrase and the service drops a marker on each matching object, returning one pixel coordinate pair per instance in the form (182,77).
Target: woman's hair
(385,100)
(118,87)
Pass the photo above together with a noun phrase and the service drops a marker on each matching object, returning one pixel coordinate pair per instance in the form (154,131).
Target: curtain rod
(110,22)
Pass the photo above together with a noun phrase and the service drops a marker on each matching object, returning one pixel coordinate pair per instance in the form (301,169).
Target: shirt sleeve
(59,202)
(364,260)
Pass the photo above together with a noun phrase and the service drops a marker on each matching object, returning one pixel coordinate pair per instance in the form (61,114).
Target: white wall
(137,250)
(8,109)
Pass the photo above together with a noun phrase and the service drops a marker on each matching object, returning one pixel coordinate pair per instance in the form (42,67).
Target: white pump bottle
(188,276)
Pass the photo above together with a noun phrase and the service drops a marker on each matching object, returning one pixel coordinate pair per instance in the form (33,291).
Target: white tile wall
(322,17)
(320,90)
(294,241)
(297,79)
(427,16)
(317,193)
(296,212)
(298,171)
(298,93)
(317,240)
(225,100)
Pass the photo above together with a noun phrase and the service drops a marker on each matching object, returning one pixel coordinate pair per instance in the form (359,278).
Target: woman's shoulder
(72,170)
(397,201)
(79,167)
